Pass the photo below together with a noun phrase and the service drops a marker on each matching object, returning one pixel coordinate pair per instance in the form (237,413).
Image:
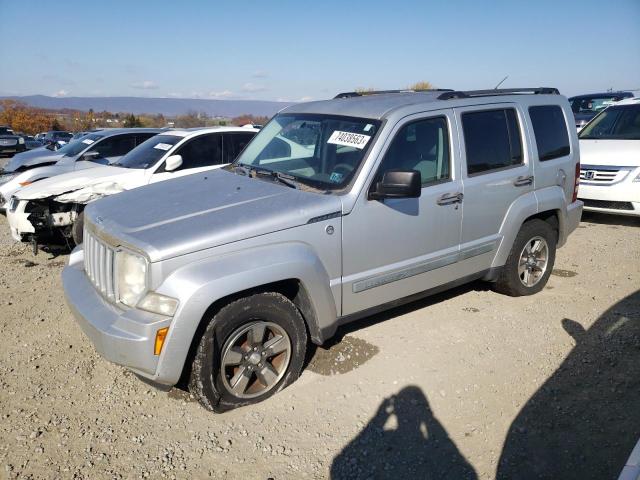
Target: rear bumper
(124,337)
(571,221)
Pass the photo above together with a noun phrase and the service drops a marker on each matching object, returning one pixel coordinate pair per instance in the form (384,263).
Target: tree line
(31,120)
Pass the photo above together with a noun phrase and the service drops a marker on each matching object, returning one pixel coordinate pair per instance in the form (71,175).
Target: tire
(227,357)
(77,229)
(512,280)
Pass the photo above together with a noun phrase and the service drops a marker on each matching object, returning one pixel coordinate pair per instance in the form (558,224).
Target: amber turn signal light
(160,336)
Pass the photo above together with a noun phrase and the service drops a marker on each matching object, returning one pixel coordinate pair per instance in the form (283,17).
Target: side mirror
(172,163)
(92,155)
(398,184)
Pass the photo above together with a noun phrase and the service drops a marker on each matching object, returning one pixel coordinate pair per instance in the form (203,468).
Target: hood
(618,153)
(204,210)
(83,186)
(32,158)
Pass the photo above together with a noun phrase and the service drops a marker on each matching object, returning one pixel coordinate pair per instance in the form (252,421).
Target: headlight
(156,303)
(637,179)
(131,277)
(7,177)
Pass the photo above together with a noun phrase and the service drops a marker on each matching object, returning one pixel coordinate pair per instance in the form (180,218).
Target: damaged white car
(99,148)
(52,209)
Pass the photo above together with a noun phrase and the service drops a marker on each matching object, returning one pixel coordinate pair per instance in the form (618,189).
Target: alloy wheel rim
(533,261)
(254,359)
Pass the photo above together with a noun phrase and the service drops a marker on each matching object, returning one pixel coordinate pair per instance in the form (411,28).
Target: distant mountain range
(166,106)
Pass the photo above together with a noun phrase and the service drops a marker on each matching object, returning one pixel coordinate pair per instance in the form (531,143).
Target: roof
(185,132)
(628,101)
(113,131)
(603,94)
(379,105)
(367,106)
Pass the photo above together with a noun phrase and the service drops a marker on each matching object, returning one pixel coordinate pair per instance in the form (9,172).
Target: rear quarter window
(550,130)
(492,140)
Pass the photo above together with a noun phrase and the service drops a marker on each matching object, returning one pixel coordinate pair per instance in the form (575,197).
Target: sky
(297,50)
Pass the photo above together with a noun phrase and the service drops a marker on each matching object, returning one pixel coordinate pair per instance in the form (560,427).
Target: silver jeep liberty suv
(335,210)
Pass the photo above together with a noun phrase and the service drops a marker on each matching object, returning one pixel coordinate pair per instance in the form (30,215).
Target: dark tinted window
(143,137)
(202,151)
(115,146)
(234,143)
(421,146)
(550,130)
(492,140)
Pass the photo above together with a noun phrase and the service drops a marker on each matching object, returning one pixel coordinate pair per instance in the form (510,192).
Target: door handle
(523,181)
(450,198)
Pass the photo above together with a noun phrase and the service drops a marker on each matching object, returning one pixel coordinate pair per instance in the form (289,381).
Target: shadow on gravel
(585,420)
(403,441)
(608,219)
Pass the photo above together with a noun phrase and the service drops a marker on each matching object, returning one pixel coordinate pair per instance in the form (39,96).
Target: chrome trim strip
(422,267)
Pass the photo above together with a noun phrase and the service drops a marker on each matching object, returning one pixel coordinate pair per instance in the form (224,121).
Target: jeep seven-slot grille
(98,264)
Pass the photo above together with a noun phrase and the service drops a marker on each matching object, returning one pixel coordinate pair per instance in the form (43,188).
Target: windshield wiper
(277,176)
(248,170)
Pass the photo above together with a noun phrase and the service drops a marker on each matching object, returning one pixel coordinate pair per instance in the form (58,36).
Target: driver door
(393,248)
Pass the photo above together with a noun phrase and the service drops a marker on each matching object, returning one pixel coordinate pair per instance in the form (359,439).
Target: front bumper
(124,337)
(621,198)
(19,223)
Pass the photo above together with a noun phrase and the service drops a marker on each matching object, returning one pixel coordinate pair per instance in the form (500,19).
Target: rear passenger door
(198,154)
(496,172)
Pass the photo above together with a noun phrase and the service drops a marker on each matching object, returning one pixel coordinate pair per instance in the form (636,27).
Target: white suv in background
(610,160)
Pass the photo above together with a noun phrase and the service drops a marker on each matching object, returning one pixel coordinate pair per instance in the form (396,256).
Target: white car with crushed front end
(610,160)
(52,209)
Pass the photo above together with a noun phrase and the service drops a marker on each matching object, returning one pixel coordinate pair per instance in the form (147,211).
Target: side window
(234,143)
(202,151)
(115,146)
(550,129)
(492,140)
(142,137)
(423,146)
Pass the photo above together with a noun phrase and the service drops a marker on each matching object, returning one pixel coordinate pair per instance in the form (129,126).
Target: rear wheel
(531,260)
(252,348)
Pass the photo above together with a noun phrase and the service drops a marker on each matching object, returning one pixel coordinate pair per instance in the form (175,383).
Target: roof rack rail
(499,91)
(381,92)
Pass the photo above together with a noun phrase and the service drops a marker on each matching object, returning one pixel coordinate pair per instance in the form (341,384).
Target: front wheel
(252,348)
(531,260)
(77,229)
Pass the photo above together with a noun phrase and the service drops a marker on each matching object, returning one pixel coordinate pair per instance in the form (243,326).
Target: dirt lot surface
(467,384)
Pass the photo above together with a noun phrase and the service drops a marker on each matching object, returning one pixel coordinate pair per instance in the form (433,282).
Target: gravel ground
(466,384)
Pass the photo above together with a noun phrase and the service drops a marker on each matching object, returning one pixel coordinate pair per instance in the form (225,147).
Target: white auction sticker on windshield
(349,139)
(88,141)
(163,146)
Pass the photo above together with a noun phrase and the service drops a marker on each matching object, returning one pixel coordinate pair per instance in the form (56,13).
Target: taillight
(576,182)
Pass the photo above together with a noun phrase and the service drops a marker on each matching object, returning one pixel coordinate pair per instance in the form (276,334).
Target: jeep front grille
(99,259)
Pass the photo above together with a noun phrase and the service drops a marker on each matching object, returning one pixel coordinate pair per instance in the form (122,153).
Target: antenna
(500,82)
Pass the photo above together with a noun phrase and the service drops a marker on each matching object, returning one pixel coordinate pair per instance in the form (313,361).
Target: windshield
(74,148)
(148,152)
(615,123)
(321,151)
(593,104)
